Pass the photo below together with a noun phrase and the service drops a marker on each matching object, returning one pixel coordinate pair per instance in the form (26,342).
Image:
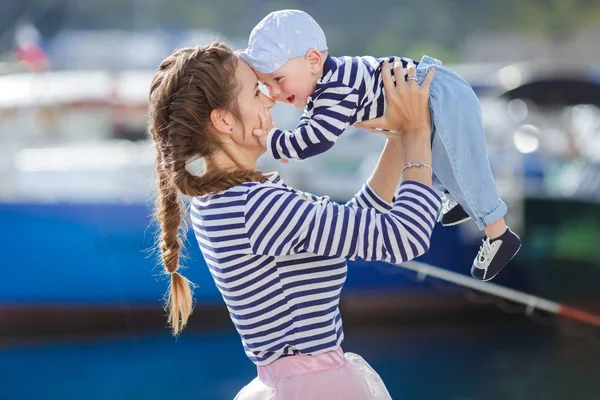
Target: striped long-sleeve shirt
(350,91)
(278,256)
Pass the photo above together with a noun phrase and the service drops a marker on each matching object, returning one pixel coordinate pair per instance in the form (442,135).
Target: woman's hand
(407,112)
(407,103)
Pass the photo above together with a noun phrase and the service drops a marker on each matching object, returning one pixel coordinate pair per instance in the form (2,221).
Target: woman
(277,255)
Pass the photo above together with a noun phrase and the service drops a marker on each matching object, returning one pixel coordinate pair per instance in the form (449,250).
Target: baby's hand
(266,124)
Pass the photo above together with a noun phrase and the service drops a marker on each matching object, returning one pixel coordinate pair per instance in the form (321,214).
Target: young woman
(278,255)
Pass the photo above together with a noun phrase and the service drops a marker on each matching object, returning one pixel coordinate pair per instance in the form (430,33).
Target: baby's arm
(330,113)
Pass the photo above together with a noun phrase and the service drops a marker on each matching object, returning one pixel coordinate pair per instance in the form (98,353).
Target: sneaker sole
(460,221)
(501,269)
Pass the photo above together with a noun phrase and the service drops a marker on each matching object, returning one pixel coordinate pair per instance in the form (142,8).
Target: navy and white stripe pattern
(350,91)
(278,256)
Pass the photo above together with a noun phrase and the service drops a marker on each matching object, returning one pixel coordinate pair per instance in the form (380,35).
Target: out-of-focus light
(517,110)
(526,139)
(66,159)
(584,117)
(510,77)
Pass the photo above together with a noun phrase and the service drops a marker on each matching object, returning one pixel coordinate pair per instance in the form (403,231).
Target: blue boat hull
(102,255)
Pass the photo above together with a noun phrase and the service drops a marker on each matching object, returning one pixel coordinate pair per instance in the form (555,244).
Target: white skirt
(328,376)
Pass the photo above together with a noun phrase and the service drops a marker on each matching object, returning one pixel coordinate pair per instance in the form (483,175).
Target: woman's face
(250,101)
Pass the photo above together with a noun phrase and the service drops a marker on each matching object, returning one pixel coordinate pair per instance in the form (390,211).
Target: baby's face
(293,83)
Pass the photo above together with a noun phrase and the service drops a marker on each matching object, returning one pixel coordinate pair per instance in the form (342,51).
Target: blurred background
(81,290)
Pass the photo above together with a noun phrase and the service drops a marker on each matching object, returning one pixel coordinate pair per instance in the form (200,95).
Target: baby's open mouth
(291,99)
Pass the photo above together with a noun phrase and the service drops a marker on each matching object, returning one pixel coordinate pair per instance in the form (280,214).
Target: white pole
(530,301)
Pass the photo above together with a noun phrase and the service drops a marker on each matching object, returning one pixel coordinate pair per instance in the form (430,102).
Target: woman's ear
(222,120)
(315,61)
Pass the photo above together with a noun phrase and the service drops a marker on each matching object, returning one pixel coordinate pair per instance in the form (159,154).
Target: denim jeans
(459,155)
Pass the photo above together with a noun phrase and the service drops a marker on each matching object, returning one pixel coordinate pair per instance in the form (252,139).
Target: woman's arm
(386,175)
(279,221)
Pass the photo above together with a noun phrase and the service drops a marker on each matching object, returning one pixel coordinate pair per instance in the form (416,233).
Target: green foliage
(377,27)
(412,27)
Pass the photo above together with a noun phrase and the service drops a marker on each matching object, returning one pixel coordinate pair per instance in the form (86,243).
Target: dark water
(505,361)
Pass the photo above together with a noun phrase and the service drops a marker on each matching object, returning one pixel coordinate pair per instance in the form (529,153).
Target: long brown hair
(187,86)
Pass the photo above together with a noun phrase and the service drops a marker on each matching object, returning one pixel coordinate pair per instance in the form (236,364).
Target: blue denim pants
(460,163)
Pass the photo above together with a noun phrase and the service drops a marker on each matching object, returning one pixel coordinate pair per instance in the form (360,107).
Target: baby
(288,52)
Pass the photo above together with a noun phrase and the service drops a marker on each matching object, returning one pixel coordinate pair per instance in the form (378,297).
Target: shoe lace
(448,205)
(485,251)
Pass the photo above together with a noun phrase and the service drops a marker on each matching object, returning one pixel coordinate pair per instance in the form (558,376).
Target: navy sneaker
(453,214)
(494,254)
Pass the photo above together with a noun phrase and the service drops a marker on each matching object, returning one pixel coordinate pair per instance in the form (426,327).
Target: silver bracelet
(417,165)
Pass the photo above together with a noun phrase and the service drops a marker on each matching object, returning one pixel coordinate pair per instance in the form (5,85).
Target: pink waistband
(302,364)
